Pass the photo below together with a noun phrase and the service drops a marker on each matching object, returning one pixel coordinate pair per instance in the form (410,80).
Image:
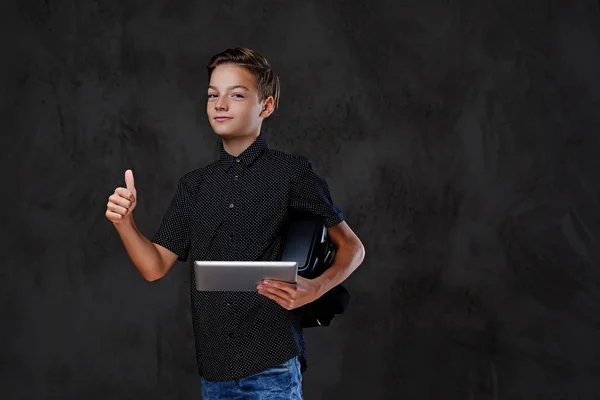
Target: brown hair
(267,80)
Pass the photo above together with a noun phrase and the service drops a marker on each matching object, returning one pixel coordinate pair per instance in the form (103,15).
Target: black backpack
(307,243)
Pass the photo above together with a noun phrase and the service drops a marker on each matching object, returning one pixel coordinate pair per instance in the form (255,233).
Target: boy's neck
(236,145)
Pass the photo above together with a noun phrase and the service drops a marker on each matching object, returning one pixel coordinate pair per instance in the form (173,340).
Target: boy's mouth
(222,119)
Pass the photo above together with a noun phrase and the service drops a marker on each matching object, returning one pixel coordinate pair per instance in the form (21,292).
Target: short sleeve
(174,230)
(310,193)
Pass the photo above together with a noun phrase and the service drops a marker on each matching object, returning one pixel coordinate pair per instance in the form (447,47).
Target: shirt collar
(247,157)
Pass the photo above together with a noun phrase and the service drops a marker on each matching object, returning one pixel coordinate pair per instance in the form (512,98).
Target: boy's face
(233,105)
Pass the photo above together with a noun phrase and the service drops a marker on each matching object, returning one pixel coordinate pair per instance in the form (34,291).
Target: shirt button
(231,205)
(237,160)
(231,236)
(235,177)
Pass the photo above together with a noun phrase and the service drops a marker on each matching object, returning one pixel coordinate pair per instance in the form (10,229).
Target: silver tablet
(241,275)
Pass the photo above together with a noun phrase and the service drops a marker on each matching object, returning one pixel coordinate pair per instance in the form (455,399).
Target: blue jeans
(278,383)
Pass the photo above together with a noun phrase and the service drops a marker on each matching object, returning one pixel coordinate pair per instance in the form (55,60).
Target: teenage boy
(248,344)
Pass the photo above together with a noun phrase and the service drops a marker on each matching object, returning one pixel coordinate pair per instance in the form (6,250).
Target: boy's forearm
(141,251)
(346,260)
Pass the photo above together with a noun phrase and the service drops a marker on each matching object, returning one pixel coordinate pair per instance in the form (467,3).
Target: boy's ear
(268,107)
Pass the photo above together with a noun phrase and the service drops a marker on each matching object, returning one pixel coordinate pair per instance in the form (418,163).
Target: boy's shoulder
(196,176)
(293,159)
(290,164)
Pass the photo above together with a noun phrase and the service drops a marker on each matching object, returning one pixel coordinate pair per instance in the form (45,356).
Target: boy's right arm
(152,260)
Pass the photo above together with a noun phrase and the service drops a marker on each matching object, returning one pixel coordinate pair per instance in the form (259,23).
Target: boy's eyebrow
(230,87)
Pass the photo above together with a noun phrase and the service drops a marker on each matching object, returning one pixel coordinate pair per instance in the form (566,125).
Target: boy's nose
(220,104)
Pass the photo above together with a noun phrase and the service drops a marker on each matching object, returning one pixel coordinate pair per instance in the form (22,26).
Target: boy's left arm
(349,254)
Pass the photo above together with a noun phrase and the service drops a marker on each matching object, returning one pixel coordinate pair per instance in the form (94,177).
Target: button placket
(235,193)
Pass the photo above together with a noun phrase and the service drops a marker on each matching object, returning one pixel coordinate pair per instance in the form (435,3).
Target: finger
(116,208)
(113,216)
(129,182)
(288,287)
(123,202)
(277,292)
(125,193)
(285,303)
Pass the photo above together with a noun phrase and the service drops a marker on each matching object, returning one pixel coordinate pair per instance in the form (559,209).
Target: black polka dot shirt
(234,209)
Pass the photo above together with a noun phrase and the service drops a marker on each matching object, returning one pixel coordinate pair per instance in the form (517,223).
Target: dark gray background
(460,138)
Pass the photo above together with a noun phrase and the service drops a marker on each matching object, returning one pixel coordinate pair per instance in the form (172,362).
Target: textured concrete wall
(460,139)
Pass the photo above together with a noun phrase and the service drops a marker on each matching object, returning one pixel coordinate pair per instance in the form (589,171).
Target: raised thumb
(129,180)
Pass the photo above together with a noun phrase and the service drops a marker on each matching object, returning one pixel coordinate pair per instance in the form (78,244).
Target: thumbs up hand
(122,202)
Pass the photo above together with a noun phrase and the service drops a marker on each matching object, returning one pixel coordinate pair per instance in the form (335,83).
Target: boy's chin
(225,133)
(229,134)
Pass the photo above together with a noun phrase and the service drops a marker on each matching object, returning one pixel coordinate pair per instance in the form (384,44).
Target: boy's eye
(212,95)
(238,95)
